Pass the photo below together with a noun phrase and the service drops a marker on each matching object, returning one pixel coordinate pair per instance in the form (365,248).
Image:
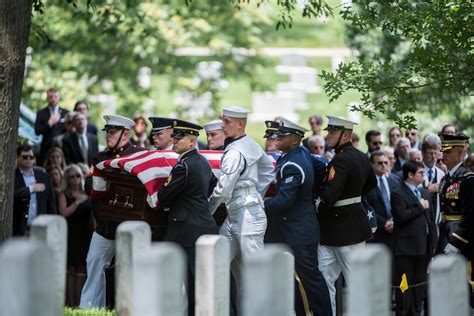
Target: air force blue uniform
(292,220)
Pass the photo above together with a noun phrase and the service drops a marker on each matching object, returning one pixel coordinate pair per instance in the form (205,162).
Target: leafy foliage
(413,56)
(97,47)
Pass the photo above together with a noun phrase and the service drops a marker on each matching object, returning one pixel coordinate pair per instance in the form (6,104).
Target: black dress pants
(311,291)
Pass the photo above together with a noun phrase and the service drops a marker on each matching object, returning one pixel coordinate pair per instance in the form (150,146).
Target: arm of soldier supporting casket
(336,179)
(232,165)
(463,233)
(402,211)
(266,174)
(292,178)
(174,185)
(319,175)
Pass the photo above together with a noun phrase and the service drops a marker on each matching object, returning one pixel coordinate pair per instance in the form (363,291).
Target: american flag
(151,168)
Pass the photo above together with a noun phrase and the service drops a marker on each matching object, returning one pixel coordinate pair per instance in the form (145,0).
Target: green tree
(413,56)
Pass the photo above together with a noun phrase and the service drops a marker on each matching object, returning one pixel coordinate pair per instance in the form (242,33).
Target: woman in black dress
(75,206)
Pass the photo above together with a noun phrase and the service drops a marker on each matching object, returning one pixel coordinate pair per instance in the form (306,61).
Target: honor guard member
(344,223)
(185,196)
(102,246)
(215,135)
(161,132)
(456,199)
(271,136)
(246,174)
(292,219)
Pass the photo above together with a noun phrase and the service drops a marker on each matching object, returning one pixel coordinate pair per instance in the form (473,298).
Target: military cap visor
(333,128)
(108,128)
(271,134)
(286,131)
(182,128)
(449,141)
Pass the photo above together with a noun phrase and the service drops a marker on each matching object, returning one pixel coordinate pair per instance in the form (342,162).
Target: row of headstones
(151,276)
(288,96)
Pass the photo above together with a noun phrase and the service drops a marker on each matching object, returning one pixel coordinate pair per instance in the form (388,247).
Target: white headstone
(369,295)
(132,237)
(268,283)
(28,279)
(335,62)
(266,105)
(212,275)
(448,290)
(52,230)
(159,280)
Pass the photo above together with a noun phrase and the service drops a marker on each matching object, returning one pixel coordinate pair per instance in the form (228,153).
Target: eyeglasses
(377,143)
(27,157)
(72,176)
(413,133)
(382,162)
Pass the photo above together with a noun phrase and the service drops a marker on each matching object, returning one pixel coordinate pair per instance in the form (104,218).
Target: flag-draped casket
(129,185)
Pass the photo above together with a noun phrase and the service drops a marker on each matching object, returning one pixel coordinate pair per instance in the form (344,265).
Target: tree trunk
(15,20)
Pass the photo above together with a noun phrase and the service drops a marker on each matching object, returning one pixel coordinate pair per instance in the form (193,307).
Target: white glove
(451,250)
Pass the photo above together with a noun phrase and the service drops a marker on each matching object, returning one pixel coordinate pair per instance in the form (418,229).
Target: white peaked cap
(235,111)
(119,121)
(290,124)
(337,122)
(213,126)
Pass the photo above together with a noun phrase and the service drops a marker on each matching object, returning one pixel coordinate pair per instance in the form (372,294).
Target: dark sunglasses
(382,162)
(72,176)
(28,157)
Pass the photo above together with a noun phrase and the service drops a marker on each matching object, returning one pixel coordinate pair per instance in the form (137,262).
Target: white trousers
(333,261)
(101,252)
(245,228)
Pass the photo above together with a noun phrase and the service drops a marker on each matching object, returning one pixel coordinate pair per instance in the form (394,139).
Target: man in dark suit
(403,145)
(33,194)
(379,198)
(292,219)
(185,197)
(414,237)
(49,123)
(344,223)
(82,107)
(80,146)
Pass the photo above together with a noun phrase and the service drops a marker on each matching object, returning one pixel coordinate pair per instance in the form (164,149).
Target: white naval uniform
(246,174)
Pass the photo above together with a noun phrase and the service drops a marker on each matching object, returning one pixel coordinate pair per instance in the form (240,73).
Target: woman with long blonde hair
(75,206)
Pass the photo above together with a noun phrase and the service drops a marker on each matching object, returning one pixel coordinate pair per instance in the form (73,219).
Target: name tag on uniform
(289,180)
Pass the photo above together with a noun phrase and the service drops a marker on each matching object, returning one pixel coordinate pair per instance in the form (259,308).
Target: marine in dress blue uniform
(344,224)
(102,247)
(293,221)
(185,196)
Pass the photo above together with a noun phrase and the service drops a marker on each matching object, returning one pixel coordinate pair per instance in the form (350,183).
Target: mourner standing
(456,199)
(246,174)
(102,247)
(414,237)
(292,219)
(343,220)
(215,135)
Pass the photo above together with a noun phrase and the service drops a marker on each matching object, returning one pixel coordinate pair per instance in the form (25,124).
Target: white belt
(349,201)
(244,191)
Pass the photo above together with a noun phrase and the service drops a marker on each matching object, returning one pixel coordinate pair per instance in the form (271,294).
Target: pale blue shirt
(30,179)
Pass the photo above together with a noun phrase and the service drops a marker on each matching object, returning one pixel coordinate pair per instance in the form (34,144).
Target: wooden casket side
(125,199)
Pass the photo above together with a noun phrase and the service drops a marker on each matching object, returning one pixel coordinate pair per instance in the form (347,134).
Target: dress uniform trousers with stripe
(292,220)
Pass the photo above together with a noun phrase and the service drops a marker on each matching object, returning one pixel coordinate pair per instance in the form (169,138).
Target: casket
(125,200)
